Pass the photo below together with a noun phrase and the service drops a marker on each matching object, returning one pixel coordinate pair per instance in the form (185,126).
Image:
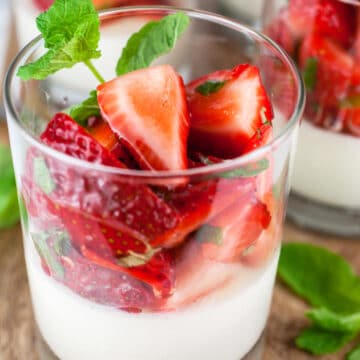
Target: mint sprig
(210,87)
(156,38)
(310,73)
(42,176)
(71,32)
(328,282)
(88,108)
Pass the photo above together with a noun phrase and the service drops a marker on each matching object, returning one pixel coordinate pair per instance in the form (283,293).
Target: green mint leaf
(351,102)
(319,341)
(9,209)
(42,176)
(88,108)
(310,73)
(44,250)
(250,170)
(156,38)
(210,87)
(323,278)
(70,29)
(62,243)
(329,320)
(210,234)
(354,354)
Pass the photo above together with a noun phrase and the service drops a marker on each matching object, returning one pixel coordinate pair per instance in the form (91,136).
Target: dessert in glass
(152,230)
(323,37)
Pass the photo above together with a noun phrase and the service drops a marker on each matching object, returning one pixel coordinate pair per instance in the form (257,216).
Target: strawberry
(119,251)
(99,284)
(334,69)
(197,202)
(43,5)
(156,129)
(224,121)
(133,209)
(226,235)
(328,18)
(197,277)
(357,38)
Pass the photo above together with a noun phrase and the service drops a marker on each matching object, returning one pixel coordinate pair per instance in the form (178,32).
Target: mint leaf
(88,108)
(354,354)
(323,278)
(250,170)
(319,341)
(9,209)
(42,176)
(210,234)
(210,87)
(331,321)
(62,243)
(156,38)
(310,73)
(70,29)
(351,102)
(44,250)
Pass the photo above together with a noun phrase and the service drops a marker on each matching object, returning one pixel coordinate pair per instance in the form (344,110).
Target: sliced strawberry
(357,38)
(198,201)
(104,135)
(225,236)
(197,277)
(130,208)
(334,69)
(43,5)
(96,283)
(147,108)
(224,121)
(328,18)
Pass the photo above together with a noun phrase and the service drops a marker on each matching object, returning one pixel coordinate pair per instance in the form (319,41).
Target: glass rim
(227,165)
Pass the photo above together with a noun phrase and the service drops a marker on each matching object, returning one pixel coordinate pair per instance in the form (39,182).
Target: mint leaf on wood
(88,108)
(354,354)
(323,278)
(156,38)
(318,341)
(70,29)
(210,87)
(329,320)
(210,234)
(9,209)
(42,176)
(310,73)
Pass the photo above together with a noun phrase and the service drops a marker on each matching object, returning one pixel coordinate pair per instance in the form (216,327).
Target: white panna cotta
(224,325)
(327,167)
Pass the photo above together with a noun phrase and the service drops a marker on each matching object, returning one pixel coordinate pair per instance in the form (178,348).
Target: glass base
(319,217)
(45,353)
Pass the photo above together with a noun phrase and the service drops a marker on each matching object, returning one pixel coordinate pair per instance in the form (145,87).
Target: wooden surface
(19,339)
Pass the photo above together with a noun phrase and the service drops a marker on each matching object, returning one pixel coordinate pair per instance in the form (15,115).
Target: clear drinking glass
(201,296)
(323,38)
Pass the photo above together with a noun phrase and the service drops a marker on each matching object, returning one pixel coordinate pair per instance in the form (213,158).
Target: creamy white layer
(225,325)
(327,167)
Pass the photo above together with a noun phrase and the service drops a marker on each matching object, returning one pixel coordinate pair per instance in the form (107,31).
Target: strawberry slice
(147,109)
(225,236)
(43,4)
(357,39)
(328,18)
(224,120)
(89,280)
(133,209)
(334,69)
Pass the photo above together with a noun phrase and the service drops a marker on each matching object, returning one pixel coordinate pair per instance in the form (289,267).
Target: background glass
(219,306)
(323,38)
